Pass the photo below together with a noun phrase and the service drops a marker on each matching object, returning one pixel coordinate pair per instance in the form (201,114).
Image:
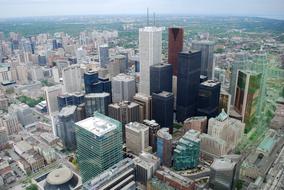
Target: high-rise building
(153,130)
(211,146)
(164,146)
(94,84)
(225,101)
(136,137)
(123,88)
(161,78)
(145,106)
(145,165)
(3,137)
(150,53)
(207,51)
(222,174)
(120,60)
(97,102)
(99,144)
(70,99)
(25,115)
(119,176)
(198,123)
(247,94)
(175,46)
(11,123)
(208,98)
(65,128)
(51,94)
(229,129)
(90,78)
(104,55)
(72,79)
(187,84)
(124,112)
(186,153)
(163,109)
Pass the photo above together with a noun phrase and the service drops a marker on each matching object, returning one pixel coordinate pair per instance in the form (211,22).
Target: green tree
(32,187)
(239,184)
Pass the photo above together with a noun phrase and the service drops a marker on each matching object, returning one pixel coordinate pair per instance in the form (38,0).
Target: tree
(239,184)
(32,187)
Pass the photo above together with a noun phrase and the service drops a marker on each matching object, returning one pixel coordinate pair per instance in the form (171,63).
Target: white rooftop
(96,125)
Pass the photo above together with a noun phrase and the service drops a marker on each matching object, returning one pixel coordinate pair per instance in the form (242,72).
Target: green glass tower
(99,144)
(186,153)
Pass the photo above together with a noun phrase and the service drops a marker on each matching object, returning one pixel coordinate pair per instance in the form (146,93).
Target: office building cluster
(130,118)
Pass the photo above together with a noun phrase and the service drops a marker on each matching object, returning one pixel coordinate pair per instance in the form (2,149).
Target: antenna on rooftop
(154,15)
(147,16)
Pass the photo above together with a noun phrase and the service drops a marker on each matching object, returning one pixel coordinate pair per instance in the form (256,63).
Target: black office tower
(161,78)
(163,108)
(208,98)
(188,80)
(90,78)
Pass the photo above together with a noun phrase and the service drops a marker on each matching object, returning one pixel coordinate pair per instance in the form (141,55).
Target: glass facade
(99,144)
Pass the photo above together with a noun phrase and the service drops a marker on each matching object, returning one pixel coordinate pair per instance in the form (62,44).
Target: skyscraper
(94,84)
(104,55)
(137,137)
(90,77)
(153,130)
(161,78)
(65,128)
(72,79)
(207,51)
(163,109)
(247,94)
(150,52)
(186,153)
(164,146)
(175,46)
(97,102)
(123,88)
(145,106)
(51,94)
(124,112)
(225,101)
(187,84)
(222,174)
(208,98)
(99,144)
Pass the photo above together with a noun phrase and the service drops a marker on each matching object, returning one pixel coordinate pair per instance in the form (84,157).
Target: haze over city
(141,95)
(24,8)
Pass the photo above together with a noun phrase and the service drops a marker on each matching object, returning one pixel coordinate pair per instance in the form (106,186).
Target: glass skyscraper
(187,84)
(99,144)
(161,78)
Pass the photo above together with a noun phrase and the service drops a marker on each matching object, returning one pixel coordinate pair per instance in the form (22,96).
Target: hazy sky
(19,8)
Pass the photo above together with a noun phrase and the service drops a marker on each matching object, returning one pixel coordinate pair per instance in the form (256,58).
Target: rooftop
(59,176)
(123,77)
(136,126)
(66,111)
(151,29)
(97,95)
(99,124)
(223,164)
(210,83)
(164,133)
(165,94)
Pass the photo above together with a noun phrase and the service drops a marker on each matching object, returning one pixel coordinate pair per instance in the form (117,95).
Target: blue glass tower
(161,78)
(188,80)
(162,109)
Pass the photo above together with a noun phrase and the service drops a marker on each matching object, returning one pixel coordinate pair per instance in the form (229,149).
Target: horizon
(48,8)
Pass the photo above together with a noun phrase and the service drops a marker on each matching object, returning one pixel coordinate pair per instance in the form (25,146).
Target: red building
(175,46)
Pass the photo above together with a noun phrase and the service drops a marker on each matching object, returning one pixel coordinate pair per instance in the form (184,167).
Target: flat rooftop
(97,125)
(210,83)
(123,77)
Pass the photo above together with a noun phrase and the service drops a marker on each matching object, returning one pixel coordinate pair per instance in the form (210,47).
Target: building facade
(187,84)
(150,52)
(161,78)
(175,46)
(99,144)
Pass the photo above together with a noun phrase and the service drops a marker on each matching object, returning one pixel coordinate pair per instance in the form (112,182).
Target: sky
(24,8)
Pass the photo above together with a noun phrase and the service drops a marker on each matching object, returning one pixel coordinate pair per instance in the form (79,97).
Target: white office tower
(150,53)
(55,74)
(71,79)
(51,94)
(137,137)
(123,88)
